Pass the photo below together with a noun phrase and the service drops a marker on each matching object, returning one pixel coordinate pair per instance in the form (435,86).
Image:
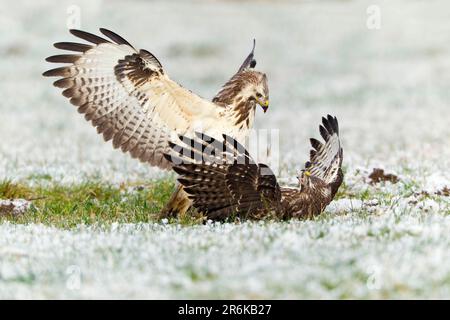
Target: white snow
(436,182)
(345,205)
(395,254)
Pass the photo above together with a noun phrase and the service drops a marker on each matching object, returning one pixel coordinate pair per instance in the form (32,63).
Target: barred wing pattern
(222,179)
(326,158)
(127,96)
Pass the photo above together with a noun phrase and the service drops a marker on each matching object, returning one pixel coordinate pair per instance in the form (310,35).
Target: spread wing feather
(222,179)
(127,96)
(326,158)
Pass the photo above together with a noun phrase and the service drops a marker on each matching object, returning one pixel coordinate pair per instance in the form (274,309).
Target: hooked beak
(264,104)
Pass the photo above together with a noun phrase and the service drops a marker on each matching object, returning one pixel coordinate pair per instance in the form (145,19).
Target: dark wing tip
(57,72)
(316,144)
(249,62)
(115,37)
(331,124)
(183,181)
(77,32)
(167,156)
(63,58)
(72,46)
(180,171)
(324,133)
(172,145)
(63,83)
(88,36)
(336,125)
(253,61)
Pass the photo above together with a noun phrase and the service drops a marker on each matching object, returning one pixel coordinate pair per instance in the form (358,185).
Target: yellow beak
(307,173)
(264,104)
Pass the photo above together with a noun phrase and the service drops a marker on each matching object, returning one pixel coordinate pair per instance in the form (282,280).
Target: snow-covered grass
(358,255)
(388,88)
(383,241)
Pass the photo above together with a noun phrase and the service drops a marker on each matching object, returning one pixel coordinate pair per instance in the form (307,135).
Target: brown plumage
(222,179)
(128,97)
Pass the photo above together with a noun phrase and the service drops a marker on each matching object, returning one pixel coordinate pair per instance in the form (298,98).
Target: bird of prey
(127,95)
(223,180)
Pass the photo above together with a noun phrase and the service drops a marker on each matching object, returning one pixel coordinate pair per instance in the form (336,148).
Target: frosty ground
(388,88)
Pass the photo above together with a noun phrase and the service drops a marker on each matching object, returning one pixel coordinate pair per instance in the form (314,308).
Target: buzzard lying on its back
(222,179)
(126,94)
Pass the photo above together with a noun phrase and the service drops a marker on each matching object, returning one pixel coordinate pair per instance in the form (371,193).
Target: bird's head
(247,85)
(256,88)
(304,179)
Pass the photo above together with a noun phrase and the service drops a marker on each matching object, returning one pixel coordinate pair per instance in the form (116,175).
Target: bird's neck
(243,112)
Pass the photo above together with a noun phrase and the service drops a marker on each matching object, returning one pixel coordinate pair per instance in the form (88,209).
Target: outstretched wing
(127,95)
(326,158)
(222,179)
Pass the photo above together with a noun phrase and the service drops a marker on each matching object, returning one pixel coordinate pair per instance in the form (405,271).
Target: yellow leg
(178,204)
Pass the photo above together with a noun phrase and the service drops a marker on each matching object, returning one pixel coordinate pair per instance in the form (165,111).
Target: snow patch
(436,182)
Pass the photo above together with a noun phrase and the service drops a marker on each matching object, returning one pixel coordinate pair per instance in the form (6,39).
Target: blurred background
(382,67)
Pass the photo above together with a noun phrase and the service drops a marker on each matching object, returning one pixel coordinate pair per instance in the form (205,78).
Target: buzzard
(127,95)
(223,180)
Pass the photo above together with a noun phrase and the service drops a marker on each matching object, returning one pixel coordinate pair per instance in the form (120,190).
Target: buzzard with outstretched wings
(127,95)
(223,180)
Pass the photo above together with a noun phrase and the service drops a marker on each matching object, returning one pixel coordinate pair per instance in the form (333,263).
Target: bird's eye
(258,95)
